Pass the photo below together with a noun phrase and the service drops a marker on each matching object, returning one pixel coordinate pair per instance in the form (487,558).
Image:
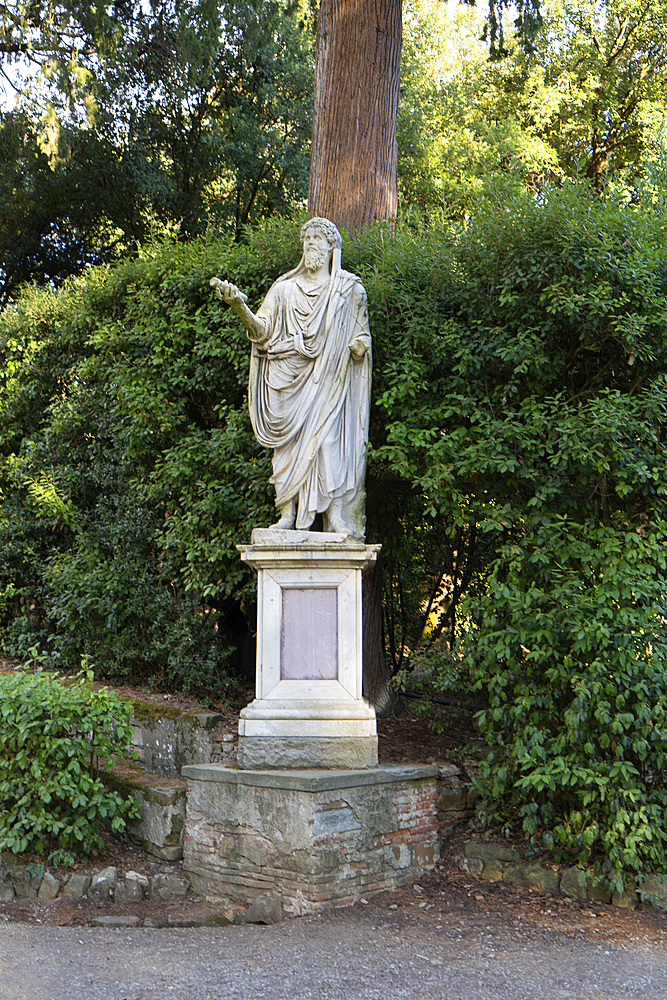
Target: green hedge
(517,433)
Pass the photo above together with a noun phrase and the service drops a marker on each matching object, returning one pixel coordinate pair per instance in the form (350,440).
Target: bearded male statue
(309,388)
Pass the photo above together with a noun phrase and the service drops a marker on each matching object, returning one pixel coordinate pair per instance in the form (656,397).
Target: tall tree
(354,157)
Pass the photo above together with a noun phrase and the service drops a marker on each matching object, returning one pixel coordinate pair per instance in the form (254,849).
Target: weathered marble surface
(309,710)
(309,388)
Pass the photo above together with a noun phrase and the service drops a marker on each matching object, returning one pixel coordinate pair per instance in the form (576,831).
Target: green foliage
(55,738)
(522,405)
(581,94)
(516,481)
(186,117)
(570,648)
(129,470)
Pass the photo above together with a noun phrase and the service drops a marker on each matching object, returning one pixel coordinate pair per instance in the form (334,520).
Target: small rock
(138,877)
(653,890)
(514,875)
(626,900)
(76,886)
(473,865)
(448,771)
(129,891)
(49,887)
(492,871)
(103,884)
(490,852)
(267,910)
(117,921)
(544,879)
(26,886)
(597,891)
(168,888)
(573,883)
(6,888)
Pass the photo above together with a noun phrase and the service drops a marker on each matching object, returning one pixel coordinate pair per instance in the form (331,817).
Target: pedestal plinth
(309,711)
(306,840)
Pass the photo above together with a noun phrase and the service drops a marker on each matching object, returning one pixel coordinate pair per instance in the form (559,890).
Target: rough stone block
(492,871)
(312,838)
(654,893)
(266,910)
(473,865)
(76,886)
(514,875)
(259,752)
(102,885)
(26,884)
(490,852)
(573,883)
(625,900)
(49,887)
(128,891)
(159,829)
(167,888)
(597,892)
(166,738)
(6,888)
(544,879)
(448,771)
(115,921)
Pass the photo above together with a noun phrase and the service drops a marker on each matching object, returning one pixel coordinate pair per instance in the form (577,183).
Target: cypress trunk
(353,167)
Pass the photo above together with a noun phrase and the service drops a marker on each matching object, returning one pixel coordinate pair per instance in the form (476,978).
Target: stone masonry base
(307,839)
(280,752)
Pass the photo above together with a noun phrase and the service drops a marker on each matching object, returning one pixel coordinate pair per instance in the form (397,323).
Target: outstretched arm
(230,294)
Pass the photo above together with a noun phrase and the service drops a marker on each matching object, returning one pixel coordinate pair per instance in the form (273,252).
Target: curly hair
(324,226)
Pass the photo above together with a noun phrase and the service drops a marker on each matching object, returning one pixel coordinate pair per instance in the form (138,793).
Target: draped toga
(309,398)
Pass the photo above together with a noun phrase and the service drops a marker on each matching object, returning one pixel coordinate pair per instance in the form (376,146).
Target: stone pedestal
(309,711)
(301,841)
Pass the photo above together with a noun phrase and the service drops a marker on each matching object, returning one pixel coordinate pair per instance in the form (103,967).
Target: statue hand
(358,348)
(228,292)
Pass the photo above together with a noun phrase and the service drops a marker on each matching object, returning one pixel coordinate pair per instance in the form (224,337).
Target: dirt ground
(446,937)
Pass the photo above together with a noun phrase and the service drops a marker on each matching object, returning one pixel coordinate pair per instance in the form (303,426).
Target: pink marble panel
(309,634)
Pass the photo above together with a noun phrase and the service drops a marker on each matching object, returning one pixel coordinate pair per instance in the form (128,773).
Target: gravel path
(375,952)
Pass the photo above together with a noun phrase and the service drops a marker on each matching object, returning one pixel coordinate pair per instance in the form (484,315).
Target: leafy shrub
(520,394)
(570,649)
(525,406)
(54,738)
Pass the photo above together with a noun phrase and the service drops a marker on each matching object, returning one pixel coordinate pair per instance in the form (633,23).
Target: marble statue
(309,388)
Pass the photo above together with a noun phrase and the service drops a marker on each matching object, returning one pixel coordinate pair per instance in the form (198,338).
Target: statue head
(320,239)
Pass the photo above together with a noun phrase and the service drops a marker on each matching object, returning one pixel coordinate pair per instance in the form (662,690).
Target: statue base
(297,842)
(309,711)
(307,752)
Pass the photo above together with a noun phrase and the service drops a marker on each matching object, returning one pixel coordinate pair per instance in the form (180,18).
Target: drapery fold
(309,397)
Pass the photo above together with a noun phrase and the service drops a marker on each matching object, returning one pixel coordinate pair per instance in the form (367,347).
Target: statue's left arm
(360,342)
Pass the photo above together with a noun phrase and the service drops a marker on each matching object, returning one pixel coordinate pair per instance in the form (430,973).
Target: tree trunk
(353,167)
(376,681)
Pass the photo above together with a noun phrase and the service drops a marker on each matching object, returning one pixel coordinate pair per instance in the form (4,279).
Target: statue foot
(285,522)
(334,520)
(287,516)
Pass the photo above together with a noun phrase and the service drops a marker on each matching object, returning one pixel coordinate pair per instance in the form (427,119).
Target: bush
(128,469)
(55,738)
(520,395)
(570,648)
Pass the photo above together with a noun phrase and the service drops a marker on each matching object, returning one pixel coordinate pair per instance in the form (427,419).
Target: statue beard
(314,259)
